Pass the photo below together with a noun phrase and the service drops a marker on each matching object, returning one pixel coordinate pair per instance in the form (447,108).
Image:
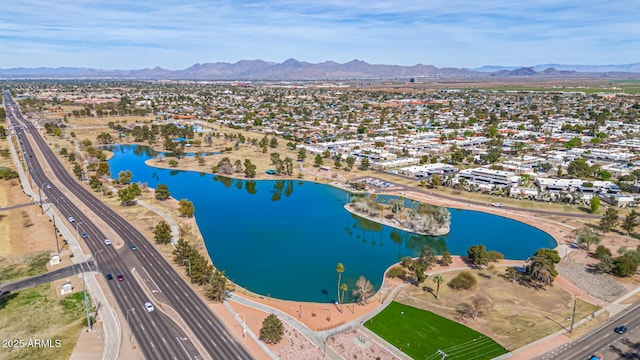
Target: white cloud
(175,34)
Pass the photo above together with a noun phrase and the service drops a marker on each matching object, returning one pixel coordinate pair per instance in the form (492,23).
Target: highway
(147,275)
(604,340)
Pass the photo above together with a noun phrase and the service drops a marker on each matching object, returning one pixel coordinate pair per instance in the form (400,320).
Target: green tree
(318,161)
(72,157)
(272,330)
(173,162)
(350,162)
(302,154)
(606,264)
(339,270)
(249,169)
(588,237)
(162,233)
(218,286)
(124,177)
(624,266)
(595,203)
(609,220)
(602,252)
(183,250)
(162,192)
(103,169)
(579,168)
(128,194)
(541,268)
(77,171)
(438,280)
(365,163)
(186,208)
(629,223)
(445,259)
(478,255)
(273,143)
(343,288)
(428,257)
(418,269)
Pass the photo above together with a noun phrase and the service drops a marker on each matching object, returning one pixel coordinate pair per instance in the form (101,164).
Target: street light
(188,262)
(130,332)
(324,348)
(95,259)
(244,325)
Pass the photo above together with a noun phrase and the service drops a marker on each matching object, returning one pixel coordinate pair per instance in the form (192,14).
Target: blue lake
(284,238)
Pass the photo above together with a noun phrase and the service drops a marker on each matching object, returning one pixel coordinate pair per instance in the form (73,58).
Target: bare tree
(363,289)
(479,304)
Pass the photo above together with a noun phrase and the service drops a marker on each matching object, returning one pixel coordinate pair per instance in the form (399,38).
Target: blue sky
(174,34)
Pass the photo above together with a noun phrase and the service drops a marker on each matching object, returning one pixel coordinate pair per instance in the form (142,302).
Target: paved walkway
(175,228)
(318,338)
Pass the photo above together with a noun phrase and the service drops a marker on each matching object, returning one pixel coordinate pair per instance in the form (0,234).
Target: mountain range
(293,69)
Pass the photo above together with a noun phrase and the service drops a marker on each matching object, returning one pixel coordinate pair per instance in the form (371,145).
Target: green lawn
(420,334)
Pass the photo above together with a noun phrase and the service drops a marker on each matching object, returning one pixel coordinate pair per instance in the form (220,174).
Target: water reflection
(285,237)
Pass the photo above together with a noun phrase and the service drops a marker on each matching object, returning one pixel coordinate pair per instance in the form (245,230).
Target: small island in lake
(424,219)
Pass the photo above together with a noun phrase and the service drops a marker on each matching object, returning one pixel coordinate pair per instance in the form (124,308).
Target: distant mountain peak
(292,69)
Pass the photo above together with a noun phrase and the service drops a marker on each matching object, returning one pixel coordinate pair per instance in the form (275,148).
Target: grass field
(32,265)
(36,314)
(420,334)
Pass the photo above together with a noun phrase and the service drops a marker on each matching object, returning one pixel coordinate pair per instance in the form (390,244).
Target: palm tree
(344,289)
(339,270)
(438,280)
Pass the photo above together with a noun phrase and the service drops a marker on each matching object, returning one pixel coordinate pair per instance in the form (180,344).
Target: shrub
(494,256)
(396,272)
(465,280)
(406,261)
(624,266)
(602,251)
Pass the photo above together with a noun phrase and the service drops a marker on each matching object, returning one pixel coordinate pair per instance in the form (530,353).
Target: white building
(488,176)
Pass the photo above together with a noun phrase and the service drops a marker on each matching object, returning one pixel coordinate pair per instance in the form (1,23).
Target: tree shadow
(5,297)
(325,292)
(430,290)
(585,209)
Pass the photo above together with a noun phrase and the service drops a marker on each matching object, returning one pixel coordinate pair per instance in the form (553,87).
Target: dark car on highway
(621,329)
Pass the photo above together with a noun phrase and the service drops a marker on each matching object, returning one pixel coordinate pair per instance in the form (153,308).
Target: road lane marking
(150,278)
(183,348)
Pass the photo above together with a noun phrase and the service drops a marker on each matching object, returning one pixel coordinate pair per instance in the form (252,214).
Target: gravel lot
(601,286)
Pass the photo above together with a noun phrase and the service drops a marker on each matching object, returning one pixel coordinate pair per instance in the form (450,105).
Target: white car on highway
(149,306)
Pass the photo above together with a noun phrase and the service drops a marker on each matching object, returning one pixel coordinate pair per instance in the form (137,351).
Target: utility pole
(573,316)
(86,302)
(55,231)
